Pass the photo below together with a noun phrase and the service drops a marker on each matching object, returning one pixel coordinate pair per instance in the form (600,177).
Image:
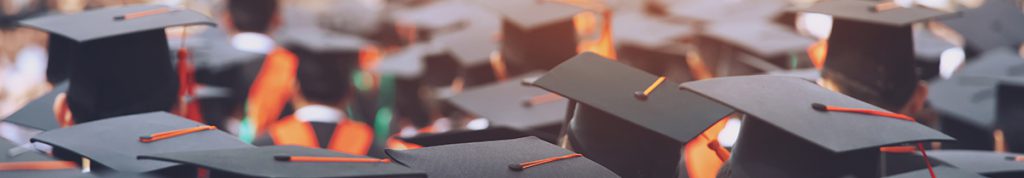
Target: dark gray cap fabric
(785,102)
(986,163)
(260,162)
(38,114)
(492,159)
(27,156)
(114,142)
(995,24)
(504,104)
(943,171)
(531,14)
(763,39)
(101,23)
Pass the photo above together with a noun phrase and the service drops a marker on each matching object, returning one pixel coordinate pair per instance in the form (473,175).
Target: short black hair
(324,77)
(252,15)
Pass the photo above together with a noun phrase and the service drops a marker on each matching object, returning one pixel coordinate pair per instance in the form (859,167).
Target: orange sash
(349,136)
(272,88)
(703,161)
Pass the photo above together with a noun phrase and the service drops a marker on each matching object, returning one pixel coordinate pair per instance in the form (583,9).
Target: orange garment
(703,161)
(272,89)
(352,137)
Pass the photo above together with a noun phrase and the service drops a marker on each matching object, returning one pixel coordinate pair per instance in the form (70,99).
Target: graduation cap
(535,34)
(30,164)
(724,11)
(945,171)
(441,17)
(471,48)
(521,157)
(616,124)
(762,39)
(987,163)
(467,136)
(118,58)
(970,103)
(511,104)
(928,49)
(285,161)
(807,74)
(871,49)
(795,128)
(38,114)
(113,143)
(653,44)
(992,25)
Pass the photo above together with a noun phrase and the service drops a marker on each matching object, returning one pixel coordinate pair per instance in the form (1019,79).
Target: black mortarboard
(725,11)
(30,156)
(792,130)
(118,58)
(762,39)
(652,44)
(928,50)
(471,49)
(511,104)
(613,125)
(282,161)
(38,114)
(807,74)
(114,174)
(994,24)
(987,163)
(970,101)
(466,136)
(870,50)
(115,142)
(497,159)
(535,34)
(944,171)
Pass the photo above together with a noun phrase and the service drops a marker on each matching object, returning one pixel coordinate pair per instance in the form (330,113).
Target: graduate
(322,92)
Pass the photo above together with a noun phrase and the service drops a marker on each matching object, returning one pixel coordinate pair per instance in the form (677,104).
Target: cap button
(515,167)
(819,107)
(640,95)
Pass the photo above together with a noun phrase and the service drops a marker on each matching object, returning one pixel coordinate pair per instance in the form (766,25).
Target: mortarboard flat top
(785,103)
(996,23)
(636,28)
(320,40)
(406,63)
(811,74)
(863,11)
(982,162)
(929,46)
(115,142)
(944,171)
(27,156)
(760,39)
(466,136)
(722,11)
(436,15)
(260,162)
(492,159)
(970,94)
(38,114)
(97,24)
(471,46)
(504,104)
(610,86)
(528,14)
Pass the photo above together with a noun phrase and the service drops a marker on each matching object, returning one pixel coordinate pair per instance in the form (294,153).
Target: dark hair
(252,15)
(324,77)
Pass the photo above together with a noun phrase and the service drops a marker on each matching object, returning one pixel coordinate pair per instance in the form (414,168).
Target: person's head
(258,16)
(322,78)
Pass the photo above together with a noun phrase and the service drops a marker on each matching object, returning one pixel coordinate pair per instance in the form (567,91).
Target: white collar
(252,42)
(319,113)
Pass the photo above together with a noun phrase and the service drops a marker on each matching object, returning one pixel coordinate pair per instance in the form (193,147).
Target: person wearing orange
(266,84)
(321,93)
